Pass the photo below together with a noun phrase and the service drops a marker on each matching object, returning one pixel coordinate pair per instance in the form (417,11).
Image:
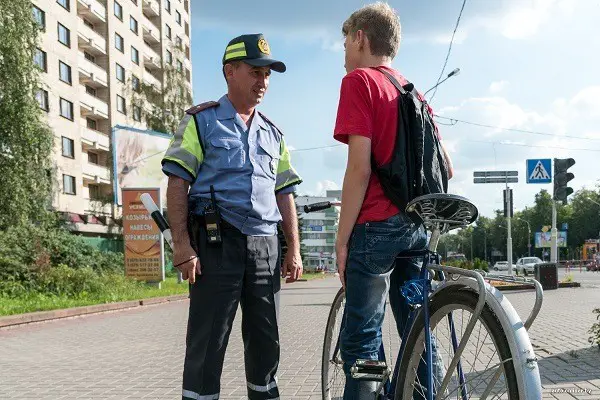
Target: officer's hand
(292,266)
(187,261)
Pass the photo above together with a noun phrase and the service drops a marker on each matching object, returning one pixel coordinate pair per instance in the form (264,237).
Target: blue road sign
(539,170)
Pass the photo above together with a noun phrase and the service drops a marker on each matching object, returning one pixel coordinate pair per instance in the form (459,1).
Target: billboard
(136,160)
(144,251)
(544,239)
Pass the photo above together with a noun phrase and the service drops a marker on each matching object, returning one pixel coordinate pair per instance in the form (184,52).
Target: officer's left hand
(292,266)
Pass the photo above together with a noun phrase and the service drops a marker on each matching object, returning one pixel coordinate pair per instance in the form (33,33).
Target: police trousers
(242,270)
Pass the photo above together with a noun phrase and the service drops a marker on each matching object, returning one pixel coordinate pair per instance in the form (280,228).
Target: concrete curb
(40,316)
(528,287)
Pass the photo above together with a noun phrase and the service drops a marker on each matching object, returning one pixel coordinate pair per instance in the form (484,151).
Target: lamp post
(454,72)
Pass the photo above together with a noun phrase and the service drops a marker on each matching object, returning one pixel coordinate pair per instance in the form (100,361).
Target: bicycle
(448,289)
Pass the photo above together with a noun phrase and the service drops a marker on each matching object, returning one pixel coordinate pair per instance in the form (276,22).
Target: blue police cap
(252,49)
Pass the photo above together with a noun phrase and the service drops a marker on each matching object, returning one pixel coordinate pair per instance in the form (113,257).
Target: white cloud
(498,86)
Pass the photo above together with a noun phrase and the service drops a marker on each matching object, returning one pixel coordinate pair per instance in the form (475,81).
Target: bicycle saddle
(446,211)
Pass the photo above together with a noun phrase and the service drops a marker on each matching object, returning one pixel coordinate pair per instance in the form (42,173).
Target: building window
(90,90)
(179,66)
(133,25)
(135,55)
(93,158)
(187,29)
(135,83)
(168,31)
(66,109)
(92,124)
(187,51)
(137,113)
(178,42)
(65,72)
(42,98)
(121,105)
(68,184)
(178,17)
(120,73)
(89,57)
(168,6)
(169,58)
(186,6)
(39,17)
(64,35)
(40,59)
(68,147)
(65,4)
(88,24)
(119,43)
(118,11)
(135,2)
(94,192)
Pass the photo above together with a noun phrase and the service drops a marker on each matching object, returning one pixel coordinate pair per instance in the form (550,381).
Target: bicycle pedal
(370,370)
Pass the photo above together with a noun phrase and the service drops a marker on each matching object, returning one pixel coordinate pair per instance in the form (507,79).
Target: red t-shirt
(368,107)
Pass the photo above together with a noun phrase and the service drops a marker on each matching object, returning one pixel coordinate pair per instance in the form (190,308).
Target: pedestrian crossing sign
(539,170)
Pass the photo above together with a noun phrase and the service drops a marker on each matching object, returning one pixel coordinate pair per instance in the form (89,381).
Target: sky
(524,64)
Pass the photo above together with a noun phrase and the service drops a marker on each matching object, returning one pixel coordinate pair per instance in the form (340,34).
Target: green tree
(25,139)
(164,107)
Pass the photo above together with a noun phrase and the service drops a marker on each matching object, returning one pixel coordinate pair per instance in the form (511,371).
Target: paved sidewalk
(138,353)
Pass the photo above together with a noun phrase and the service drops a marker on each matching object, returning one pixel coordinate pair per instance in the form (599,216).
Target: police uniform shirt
(246,166)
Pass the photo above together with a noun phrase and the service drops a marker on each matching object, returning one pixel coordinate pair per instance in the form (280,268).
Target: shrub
(595,330)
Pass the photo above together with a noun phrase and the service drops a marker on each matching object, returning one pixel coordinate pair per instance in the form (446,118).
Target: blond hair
(380,23)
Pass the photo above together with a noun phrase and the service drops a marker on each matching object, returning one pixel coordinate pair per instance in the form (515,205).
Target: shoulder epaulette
(270,122)
(202,106)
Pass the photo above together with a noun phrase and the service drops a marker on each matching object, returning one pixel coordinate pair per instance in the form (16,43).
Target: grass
(44,302)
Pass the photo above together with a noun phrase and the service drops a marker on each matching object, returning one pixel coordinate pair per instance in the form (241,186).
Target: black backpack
(418,165)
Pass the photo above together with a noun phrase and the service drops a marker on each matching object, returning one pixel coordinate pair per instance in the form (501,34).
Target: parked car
(503,266)
(526,265)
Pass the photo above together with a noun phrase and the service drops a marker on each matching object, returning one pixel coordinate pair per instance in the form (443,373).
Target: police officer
(225,239)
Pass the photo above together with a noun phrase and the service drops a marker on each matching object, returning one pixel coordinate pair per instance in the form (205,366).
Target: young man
(372,230)
(230,146)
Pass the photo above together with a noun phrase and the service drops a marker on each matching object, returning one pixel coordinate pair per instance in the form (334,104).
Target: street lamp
(454,72)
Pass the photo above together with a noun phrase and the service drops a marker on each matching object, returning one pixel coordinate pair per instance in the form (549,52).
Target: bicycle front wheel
(332,373)
(486,367)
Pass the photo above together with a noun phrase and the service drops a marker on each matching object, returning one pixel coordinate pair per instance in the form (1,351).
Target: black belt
(224,224)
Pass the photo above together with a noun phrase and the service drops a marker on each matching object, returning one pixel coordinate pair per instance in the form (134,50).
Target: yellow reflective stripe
(240,53)
(191,142)
(236,46)
(181,164)
(286,174)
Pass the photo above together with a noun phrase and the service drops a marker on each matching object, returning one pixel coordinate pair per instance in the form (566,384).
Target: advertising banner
(144,251)
(544,239)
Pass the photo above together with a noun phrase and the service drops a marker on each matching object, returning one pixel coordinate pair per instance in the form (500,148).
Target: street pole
(554,236)
(472,230)
(485,244)
(508,227)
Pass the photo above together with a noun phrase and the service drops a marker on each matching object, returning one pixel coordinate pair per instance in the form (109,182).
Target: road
(139,353)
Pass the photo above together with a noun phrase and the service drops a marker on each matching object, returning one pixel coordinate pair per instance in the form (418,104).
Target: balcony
(97,207)
(93,10)
(151,58)
(151,33)
(151,8)
(90,40)
(94,140)
(96,174)
(91,74)
(92,106)
(150,79)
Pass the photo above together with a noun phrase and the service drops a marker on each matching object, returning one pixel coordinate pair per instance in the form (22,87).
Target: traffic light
(562,177)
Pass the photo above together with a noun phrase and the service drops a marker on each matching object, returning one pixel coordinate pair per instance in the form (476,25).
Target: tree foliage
(582,214)
(25,139)
(166,106)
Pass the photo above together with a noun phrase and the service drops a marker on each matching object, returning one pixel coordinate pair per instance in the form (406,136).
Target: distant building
(319,230)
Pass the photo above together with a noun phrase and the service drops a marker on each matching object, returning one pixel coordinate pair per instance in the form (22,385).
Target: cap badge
(263,46)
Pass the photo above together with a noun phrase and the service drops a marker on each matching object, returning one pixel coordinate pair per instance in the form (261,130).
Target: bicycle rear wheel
(332,373)
(487,352)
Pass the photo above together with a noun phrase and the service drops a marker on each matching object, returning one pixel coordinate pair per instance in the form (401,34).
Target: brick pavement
(138,353)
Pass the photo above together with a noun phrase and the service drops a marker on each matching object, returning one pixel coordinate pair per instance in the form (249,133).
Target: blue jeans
(371,270)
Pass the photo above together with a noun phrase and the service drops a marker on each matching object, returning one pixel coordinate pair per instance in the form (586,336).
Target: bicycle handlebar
(323,205)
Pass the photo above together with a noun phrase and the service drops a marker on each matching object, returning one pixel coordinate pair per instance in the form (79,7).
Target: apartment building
(94,54)
(319,231)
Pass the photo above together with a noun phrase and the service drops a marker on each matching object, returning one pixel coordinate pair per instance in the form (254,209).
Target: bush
(480,264)
(595,330)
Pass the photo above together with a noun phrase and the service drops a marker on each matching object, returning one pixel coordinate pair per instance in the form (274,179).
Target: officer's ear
(229,68)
